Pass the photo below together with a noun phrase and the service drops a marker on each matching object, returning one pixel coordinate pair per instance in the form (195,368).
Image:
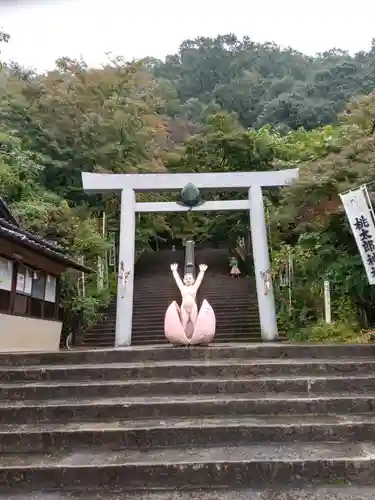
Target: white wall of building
(18,333)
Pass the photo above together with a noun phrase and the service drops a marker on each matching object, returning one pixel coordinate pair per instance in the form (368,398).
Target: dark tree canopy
(264,84)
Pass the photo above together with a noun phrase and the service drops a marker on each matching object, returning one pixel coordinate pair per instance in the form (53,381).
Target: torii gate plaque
(129,184)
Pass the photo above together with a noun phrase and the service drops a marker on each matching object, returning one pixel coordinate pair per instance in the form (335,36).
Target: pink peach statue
(186,325)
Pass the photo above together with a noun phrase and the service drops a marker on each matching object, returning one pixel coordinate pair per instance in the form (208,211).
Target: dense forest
(220,104)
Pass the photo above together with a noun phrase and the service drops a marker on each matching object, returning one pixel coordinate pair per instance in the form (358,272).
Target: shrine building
(30,273)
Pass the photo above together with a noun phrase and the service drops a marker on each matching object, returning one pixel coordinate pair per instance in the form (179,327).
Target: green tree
(87,119)
(80,119)
(310,217)
(265,84)
(47,214)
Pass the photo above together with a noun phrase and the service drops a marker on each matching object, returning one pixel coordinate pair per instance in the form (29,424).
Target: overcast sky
(43,30)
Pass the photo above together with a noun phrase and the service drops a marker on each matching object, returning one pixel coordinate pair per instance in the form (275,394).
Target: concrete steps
(281,421)
(95,409)
(312,493)
(175,467)
(129,435)
(235,367)
(272,353)
(153,292)
(234,301)
(312,385)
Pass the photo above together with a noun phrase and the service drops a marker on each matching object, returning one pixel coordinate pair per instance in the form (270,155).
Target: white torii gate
(129,184)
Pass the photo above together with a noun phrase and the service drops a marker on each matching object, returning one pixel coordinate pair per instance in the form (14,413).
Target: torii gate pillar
(125,283)
(262,267)
(129,184)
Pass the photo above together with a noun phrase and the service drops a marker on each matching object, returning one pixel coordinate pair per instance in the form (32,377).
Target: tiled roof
(6,214)
(14,233)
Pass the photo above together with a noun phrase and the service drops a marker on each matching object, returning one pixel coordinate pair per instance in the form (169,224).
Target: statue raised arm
(177,278)
(198,281)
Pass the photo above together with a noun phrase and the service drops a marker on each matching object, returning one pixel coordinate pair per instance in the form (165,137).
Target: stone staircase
(234,300)
(256,421)
(154,290)
(102,334)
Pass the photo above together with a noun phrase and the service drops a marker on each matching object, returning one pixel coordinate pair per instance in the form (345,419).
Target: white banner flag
(359,212)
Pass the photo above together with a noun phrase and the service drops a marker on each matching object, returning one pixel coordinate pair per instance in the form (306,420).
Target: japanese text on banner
(359,214)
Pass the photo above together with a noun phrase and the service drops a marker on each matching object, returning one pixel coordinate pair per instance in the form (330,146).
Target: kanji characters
(368,245)
(365,235)
(361,222)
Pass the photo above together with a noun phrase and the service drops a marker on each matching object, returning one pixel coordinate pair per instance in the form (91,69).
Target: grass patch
(336,333)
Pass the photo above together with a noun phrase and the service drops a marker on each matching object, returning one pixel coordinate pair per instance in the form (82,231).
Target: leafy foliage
(45,212)
(264,84)
(321,333)
(311,219)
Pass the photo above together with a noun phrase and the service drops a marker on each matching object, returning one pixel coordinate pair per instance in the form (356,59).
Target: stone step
(243,301)
(100,333)
(303,386)
(244,337)
(160,342)
(344,357)
(105,337)
(146,299)
(220,368)
(244,331)
(227,326)
(249,330)
(140,337)
(160,305)
(146,434)
(227,315)
(329,492)
(156,280)
(229,330)
(254,337)
(237,301)
(99,344)
(250,466)
(221,282)
(107,342)
(235,313)
(223,323)
(224,280)
(143,342)
(186,406)
(154,295)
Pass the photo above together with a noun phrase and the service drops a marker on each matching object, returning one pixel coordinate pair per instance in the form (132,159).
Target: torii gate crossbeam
(129,184)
